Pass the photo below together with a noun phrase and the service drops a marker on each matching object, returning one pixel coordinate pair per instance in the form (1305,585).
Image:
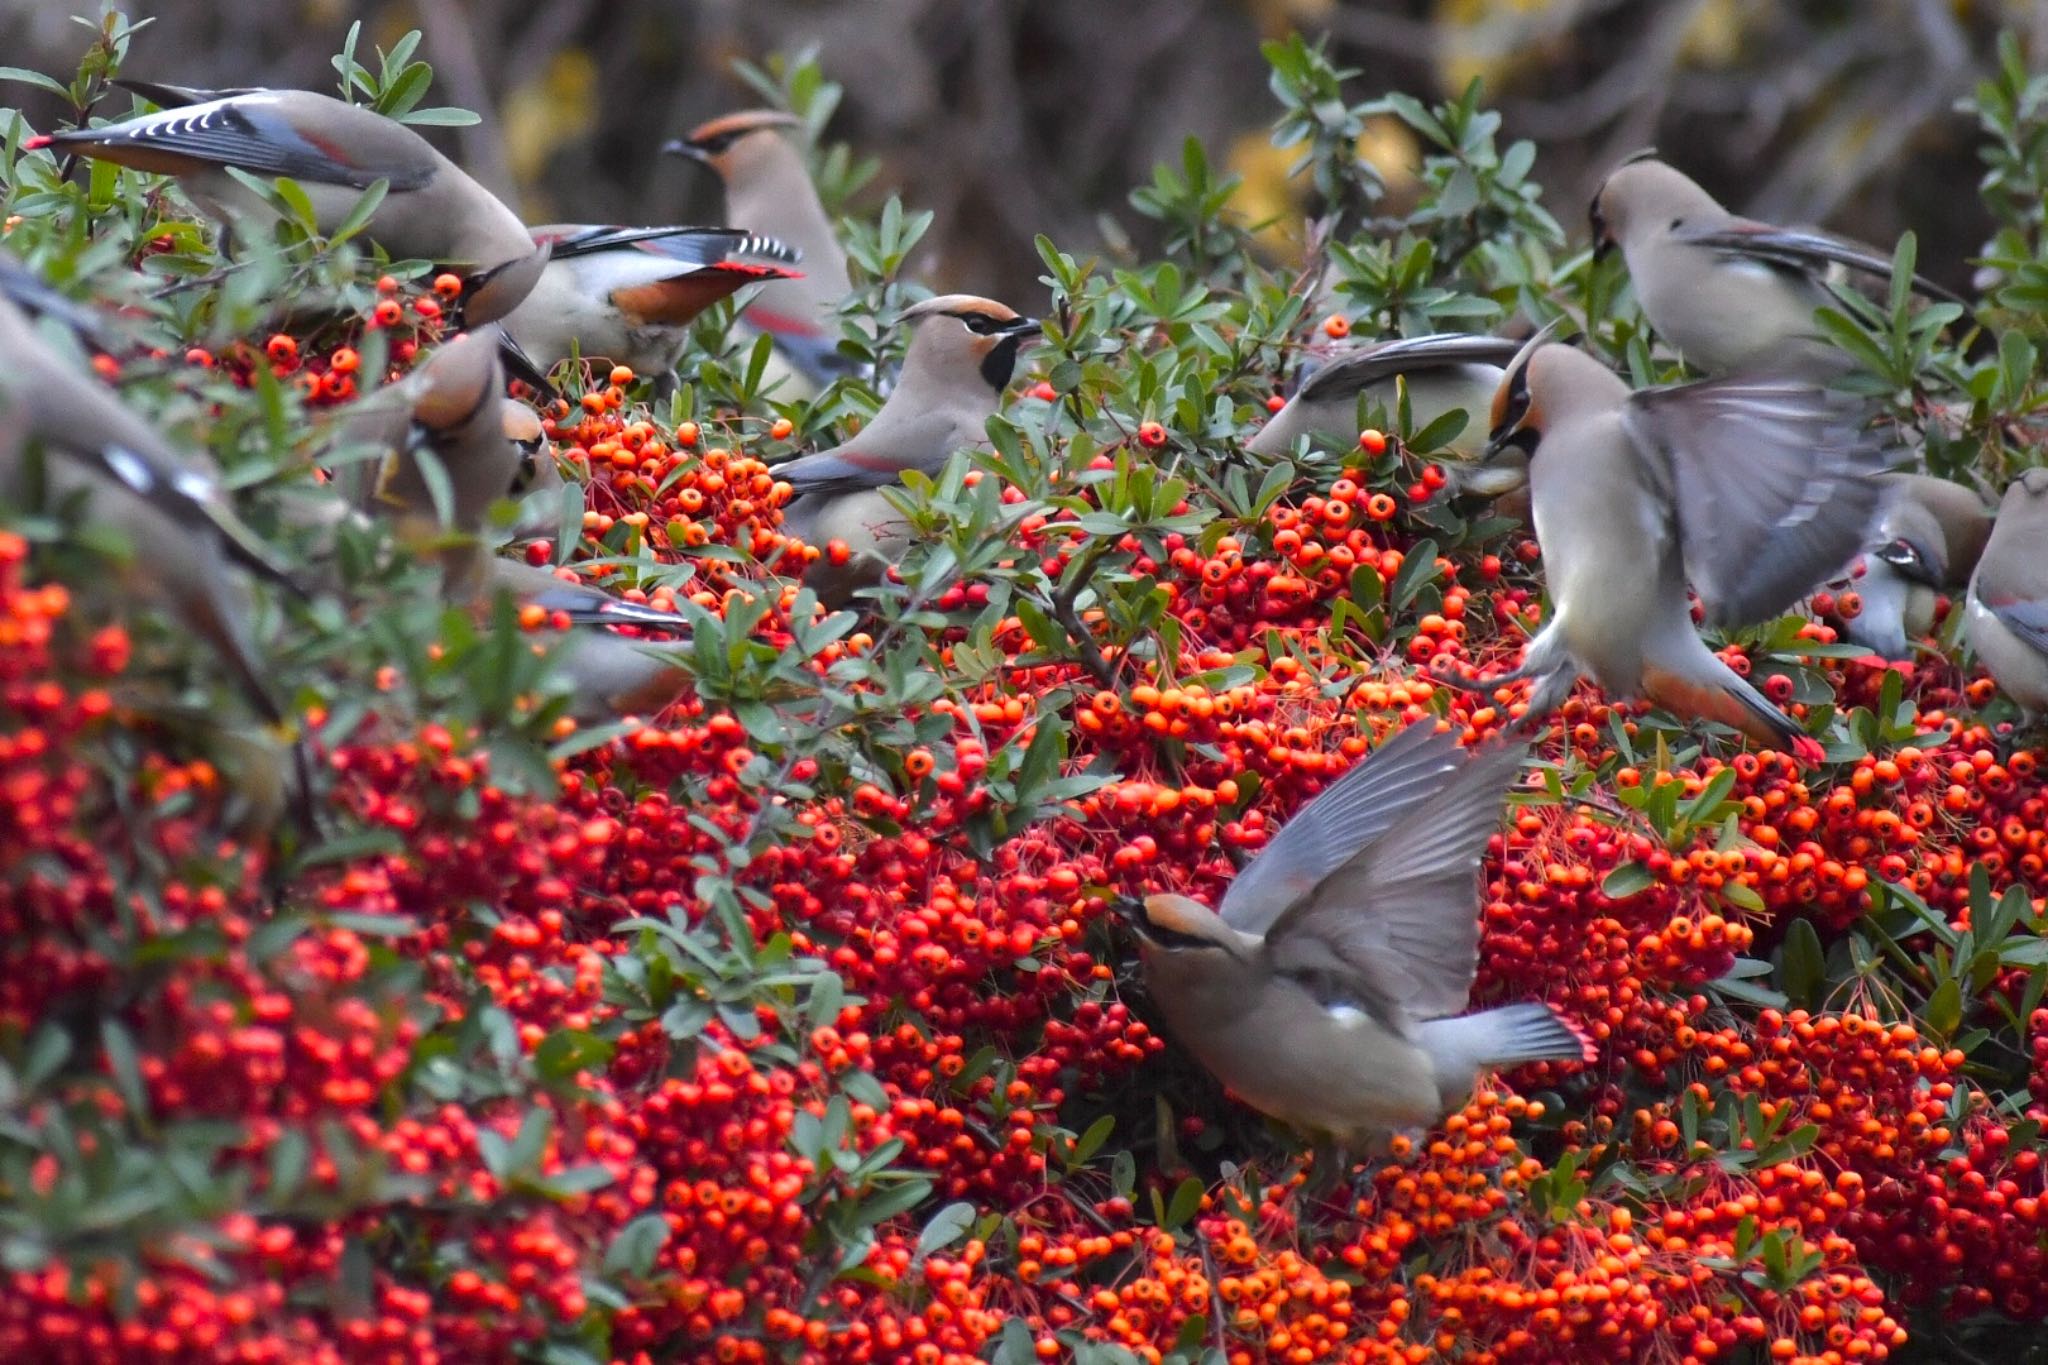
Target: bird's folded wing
(1403,913)
(845,470)
(1356,369)
(194,499)
(1810,252)
(254,137)
(1773,484)
(2026,617)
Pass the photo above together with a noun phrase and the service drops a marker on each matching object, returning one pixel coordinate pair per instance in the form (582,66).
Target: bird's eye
(717,142)
(1171,938)
(981,324)
(1677,223)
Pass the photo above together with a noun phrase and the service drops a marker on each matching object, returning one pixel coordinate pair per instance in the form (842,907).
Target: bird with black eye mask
(1728,292)
(963,352)
(1752,490)
(768,189)
(1330,986)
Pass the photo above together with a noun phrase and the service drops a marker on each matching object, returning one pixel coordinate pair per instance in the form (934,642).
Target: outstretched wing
(1346,816)
(1774,484)
(1401,915)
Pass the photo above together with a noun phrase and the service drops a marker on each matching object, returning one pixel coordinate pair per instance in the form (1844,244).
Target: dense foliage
(792,1023)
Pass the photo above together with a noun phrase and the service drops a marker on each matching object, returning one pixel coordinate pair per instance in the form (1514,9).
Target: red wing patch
(782,324)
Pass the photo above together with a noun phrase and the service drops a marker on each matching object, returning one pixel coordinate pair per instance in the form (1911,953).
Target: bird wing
(167,96)
(1773,482)
(192,498)
(841,470)
(1807,252)
(250,133)
(1350,814)
(1357,369)
(1401,914)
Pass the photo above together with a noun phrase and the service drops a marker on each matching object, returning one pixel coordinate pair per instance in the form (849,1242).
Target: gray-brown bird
(1444,372)
(186,546)
(1752,490)
(1929,535)
(446,455)
(610,676)
(1329,989)
(963,351)
(2007,615)
(1729,293)
(769,190)
(628,295)
(335,151)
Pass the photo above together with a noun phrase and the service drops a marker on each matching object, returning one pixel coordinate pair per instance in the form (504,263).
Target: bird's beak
(680,147)
(1603,240)
(490,294)
(1024,327)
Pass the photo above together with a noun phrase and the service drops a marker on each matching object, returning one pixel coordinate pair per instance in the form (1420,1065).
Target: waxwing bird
(962,353)
(1444,372)
(1930,533)
(1728,292)
(446,454)
(335,151)
(629,294)
(187,547)
(1329,988)
(2007,616)
(610,675)
(1754,490)
(769,190)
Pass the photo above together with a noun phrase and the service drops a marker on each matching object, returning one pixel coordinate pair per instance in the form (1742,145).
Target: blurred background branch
(1012,117)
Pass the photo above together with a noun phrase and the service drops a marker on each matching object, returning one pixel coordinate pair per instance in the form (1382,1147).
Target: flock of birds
(1329,988)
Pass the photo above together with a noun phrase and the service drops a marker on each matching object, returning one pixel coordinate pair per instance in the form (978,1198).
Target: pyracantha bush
(789,1024)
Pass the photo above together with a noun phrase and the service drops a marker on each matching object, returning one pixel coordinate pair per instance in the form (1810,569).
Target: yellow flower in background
(1267,194)
(548,113)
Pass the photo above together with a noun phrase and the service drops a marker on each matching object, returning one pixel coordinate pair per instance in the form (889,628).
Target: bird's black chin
(1525,440)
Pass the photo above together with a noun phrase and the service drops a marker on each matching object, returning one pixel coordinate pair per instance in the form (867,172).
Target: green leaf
(1626,880)
(634,1249)
(126,1065)
(1802,964)
(946,1227)
(1944,1012)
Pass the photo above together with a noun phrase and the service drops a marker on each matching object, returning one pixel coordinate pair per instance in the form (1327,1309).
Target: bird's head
(494,291)
(457,383)
(1181,929)
(732,144)
(1641,196)
(960,334)
(2025,492)
(1517,418)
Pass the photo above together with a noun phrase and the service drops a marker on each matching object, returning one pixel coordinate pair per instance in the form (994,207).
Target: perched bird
(335,151)
(1444,372)
(609,675)
(962,353)
(1728,292)
(2007,617)
(1929,535)
(446,454)
(628,294)
(1753,489)
(1329,989)
(768,188)
(187,547)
